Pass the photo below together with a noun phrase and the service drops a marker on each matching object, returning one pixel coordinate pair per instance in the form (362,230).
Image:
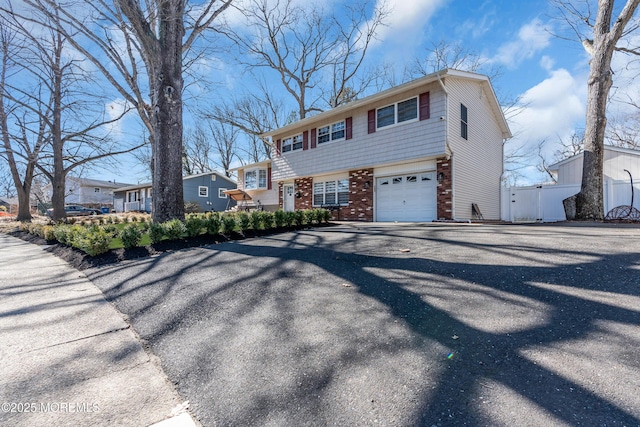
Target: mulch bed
(81,261)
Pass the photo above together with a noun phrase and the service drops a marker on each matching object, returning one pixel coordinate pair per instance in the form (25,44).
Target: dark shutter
(314,134)
(278,147)
(305,140)
(425,106)
(372,121)
(269,178)
(348,125)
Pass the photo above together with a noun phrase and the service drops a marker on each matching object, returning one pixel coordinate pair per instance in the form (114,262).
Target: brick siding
(444,189)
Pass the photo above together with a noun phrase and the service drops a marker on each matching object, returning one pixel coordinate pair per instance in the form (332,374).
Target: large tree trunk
(59,176)
(589,202)
(168,199)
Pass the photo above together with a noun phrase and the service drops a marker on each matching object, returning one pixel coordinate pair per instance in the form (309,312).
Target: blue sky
(547,74)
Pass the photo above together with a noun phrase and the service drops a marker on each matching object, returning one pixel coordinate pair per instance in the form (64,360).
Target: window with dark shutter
(464,131)
(425,106)
(372,121)
(348,123)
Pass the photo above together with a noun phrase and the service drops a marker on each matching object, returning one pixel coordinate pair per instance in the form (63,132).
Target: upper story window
(203,191)
(292,143)
(464,131)
(403,111)
(255,179)
(331,133)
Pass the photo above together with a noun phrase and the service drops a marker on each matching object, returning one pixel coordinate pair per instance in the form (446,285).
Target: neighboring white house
(84,191)
(424,150)
(616,160)
(543,203)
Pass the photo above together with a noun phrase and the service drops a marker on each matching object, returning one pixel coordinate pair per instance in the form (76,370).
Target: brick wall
(360,198)
(444,189)
(304,188)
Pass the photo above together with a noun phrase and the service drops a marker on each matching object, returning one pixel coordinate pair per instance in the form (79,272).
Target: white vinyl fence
(543,203)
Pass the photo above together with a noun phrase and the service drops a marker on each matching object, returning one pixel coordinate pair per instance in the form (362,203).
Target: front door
(288,198)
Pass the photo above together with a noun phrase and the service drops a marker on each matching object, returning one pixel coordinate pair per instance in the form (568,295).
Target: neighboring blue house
(206,189)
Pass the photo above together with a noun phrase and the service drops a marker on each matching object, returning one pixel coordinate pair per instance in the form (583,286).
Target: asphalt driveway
(397,325)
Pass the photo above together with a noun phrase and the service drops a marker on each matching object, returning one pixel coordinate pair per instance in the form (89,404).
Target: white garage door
(407,197)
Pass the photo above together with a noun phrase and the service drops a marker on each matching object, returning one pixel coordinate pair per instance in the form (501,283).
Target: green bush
(326,215)
(156,232)
(116,220)
(289,218)
(228,224)
(109,220)
(194,224)
(61,232)
(243,221)
(33,228)
(131,235)
(212,223)
(144,226)
(48,232)
(255,219)
(174,229)
(309,216)
(94,240)
(299,217)
(280,218)
(134,219)
(267,219)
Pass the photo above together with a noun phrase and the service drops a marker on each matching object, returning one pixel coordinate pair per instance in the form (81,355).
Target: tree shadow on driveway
(397,326)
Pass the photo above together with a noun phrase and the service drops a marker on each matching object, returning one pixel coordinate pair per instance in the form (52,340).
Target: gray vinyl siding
(394,144)
(477,161)
(212,201)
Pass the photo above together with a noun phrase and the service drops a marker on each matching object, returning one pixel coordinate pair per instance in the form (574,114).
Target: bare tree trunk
(168,200)
(588,204)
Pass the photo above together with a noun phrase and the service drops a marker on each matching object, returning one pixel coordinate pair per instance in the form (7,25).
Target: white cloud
(550,111)
(547,63)
(532,37)
(406,18)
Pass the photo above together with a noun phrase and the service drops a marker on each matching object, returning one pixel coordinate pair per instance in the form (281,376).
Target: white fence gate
(543,203)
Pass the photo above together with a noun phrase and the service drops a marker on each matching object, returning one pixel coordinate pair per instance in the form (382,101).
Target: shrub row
(95,239)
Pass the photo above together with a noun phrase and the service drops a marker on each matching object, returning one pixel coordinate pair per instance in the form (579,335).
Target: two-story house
(425,150)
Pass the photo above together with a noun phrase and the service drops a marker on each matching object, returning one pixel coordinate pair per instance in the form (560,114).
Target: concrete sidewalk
(68,356)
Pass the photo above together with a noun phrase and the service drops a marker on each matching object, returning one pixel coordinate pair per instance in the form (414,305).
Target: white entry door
(288,198)
(407,197)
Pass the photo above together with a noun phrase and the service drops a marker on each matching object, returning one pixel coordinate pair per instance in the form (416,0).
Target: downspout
(446,143)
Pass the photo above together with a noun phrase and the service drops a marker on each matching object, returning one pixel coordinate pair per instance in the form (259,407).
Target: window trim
(331,132)
(221,194)
(395,113)
(257,171)
(293,142)
(336,192)
(206,191)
